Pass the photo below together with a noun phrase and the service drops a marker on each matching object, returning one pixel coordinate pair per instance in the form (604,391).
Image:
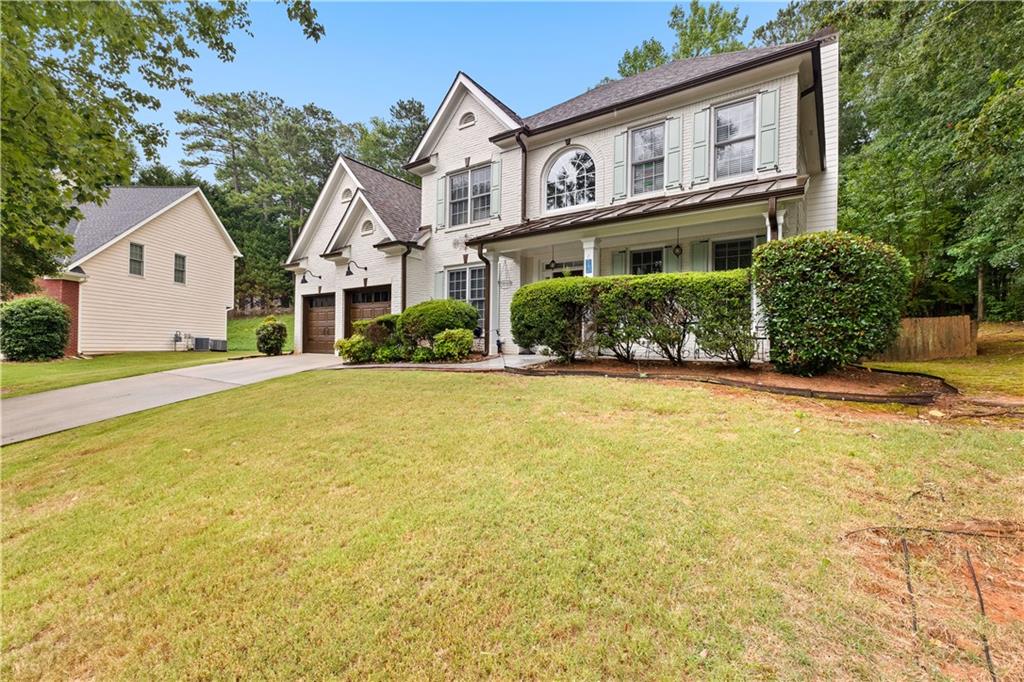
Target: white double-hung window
(648,158)
(734,139)
(467,285)
(469,196)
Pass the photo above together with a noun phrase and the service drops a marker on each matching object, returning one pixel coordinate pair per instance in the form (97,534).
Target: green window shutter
(674,153)
(439,284)
(768,130)
(619,167)
(496,189)
(441,204)
(700,146)
(619,263)
(673,263)
(700,256)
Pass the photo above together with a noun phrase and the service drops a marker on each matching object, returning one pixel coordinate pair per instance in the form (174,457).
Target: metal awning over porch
(716,197)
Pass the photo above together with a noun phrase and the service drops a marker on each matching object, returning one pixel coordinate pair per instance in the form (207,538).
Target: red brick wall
(66,292)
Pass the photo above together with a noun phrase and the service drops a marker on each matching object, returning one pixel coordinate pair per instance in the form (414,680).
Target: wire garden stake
(981,606)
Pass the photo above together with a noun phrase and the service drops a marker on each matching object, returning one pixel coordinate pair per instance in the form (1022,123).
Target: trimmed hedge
(423,321)
(34,328)
(829,298)
(271,335)
(573,316)
(356,348)
(453,344)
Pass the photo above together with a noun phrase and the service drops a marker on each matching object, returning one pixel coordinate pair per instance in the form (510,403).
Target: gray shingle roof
(672,74)
(125,208)
(396,201)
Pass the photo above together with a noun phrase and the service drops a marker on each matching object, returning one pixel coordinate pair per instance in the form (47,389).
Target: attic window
(367,227)
(346,195)
(468,119)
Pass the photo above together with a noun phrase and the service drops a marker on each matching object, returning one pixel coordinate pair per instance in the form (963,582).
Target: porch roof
(715,197)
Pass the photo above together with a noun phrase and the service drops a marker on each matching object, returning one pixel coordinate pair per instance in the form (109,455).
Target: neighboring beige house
(687,166)
(149,264)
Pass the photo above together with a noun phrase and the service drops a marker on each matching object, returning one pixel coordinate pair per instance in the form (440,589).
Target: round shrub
(34,328)
(356,348)
(271,335)
(424,321)
(422,354)
(453,344)
(829,298)
(556,313)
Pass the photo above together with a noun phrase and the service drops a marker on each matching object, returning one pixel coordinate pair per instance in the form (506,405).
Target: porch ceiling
(716,197)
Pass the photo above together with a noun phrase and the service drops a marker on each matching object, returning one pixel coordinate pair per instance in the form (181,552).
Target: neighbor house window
(469,196)
(467,284)
(648,159)
(179,268)
(572,180)
(645,262)
(136,254)
(733,254)
(734,139)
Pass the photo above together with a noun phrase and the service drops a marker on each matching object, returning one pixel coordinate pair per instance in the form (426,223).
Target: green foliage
(380,330)
(34,328)
(356,348)
(69,105)
(453,344)
(644,57)
(390,353)
(725,326)
(621,319)
(271,335)
(796,21)
(555,313)
(707,29)
(423,354)
(388,144)
(829,298)
(423,321)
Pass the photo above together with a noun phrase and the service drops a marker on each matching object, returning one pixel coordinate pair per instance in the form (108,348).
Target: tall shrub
(556,313)
(271,335)
(424,321)
(34,328)
(620,319)
(725,327)
(829,298)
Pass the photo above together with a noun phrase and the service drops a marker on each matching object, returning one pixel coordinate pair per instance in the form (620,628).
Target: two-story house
(686,167)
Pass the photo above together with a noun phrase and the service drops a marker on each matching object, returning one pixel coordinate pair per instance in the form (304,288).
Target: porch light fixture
(306,281)
(348,269)
(677,250)
(552,264)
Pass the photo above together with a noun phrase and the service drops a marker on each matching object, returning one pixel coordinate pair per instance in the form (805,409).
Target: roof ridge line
(378,170)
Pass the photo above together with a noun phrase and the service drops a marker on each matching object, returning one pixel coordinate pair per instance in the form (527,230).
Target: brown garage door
(366,304)
(318,324)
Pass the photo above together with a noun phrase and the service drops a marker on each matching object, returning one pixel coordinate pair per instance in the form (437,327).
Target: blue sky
(530,55)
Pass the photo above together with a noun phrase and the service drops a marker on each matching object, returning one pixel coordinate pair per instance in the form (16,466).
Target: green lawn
(438,525)
(242,332)
(22,378)
(998,368)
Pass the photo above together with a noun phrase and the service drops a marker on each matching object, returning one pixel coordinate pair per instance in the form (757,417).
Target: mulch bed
(854,383)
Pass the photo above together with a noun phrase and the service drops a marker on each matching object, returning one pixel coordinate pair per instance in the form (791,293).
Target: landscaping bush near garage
(576,316)
(34,328)
(433,330)
(422,322)
(271,336)
(829,299)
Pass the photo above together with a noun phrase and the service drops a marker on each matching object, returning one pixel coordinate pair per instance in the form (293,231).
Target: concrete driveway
(40,414)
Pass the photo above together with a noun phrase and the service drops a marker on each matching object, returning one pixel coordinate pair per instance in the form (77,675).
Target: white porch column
(591,261)
(494,307)
(780,218)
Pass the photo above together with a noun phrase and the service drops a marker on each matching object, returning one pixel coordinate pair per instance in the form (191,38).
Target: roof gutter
(819,104)
(799,48)
(487,298)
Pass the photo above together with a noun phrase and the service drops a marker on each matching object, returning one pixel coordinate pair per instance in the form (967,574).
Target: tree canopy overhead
(69,113)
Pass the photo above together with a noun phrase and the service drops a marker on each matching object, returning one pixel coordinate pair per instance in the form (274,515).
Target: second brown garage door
(366,304)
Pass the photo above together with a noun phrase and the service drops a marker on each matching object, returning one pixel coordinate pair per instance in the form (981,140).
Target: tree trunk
(981,293)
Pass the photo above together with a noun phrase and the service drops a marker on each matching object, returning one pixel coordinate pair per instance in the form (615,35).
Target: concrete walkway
(40,414)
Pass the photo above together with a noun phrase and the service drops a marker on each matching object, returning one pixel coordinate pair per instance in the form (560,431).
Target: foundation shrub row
(432,330)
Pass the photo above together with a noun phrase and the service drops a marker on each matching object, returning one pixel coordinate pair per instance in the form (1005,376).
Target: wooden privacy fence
(931,338)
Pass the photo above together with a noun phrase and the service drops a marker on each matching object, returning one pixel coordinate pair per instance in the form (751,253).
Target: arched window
(572,180)
(467,119)
(346,195)
(367,227)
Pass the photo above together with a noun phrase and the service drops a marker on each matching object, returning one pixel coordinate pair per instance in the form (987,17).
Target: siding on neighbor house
(822,197)
(124,312)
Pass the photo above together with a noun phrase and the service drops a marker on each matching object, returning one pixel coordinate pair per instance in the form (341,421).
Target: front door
(318,324)
(366,304)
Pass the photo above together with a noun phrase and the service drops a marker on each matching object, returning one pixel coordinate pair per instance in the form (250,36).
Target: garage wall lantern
(348,270)
(303,280)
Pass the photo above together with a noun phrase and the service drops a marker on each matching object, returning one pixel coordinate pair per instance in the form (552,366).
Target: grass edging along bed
(946,386)
(903,399)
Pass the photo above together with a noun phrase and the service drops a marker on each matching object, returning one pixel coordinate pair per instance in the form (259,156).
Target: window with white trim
(733,254)
(648,158)
(467,119)
(646,262)
(467,284)
(572,180)
(179,268)
(734,139)
(136,259)
(469,196)
(367,227)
